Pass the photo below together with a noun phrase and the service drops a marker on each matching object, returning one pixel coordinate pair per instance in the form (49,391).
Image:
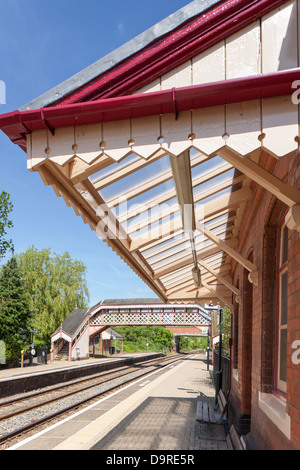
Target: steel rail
(55,388)
(66,395)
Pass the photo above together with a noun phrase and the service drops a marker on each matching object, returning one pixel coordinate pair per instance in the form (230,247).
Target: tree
(14,308)
(5,208)
(226,330)
(156,336)
(56,285)
(192,343)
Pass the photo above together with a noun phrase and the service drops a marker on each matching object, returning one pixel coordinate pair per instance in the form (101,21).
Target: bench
(206,413)
(206,410)
(234,441)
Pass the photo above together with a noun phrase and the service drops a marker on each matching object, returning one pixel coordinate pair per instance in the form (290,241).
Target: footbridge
(74,335)
(149,313)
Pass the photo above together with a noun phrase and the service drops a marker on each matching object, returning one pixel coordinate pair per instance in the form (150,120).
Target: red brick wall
(258,235)
(293,393)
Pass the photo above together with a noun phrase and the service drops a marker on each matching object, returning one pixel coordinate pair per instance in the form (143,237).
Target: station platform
(37,368)
(157,412)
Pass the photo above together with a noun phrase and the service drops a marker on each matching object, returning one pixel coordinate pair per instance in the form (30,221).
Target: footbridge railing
(149,315)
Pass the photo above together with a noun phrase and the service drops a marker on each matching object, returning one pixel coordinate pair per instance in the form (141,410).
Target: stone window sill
(235,374)
(275,409)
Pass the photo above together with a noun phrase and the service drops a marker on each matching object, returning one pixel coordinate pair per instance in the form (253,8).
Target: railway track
(26,414)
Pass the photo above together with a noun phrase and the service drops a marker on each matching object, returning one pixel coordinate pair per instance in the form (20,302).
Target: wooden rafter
(230,251)
(128,169)
(219,277)
(79,170)
(283,191)
(167,260)
(150,184)
(203,178)
(140,189)
(211,209)
(206,292)
(183,274)
(181,171)
(177,247)
(168,211)
(188,260)
(187,281)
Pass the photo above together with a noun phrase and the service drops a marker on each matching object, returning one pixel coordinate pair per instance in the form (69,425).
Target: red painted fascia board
(19,123)
(213,26)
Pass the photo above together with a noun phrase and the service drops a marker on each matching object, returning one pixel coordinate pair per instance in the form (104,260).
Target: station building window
(282,308)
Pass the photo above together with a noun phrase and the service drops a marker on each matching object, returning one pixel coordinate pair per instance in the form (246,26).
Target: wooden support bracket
(253,278)
(293,218)
(229,250)
(283,191)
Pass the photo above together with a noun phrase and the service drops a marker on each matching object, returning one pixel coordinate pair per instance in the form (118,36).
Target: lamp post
(111,347)
(207,349)
(219,372)
(25,335)
(210,307)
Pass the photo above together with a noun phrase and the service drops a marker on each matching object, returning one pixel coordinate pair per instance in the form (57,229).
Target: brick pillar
(268,308)
(246,369)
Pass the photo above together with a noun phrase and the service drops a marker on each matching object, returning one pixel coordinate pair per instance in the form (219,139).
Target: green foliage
(136,337)
(190,343)
(5,208)
(14,308)
(226,330)
(56,284)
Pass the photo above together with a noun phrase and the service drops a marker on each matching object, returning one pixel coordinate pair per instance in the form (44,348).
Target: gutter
(17,124)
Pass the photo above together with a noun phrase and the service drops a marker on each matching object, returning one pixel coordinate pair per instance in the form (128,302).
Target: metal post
(207,350)
(31,348)
(219,373)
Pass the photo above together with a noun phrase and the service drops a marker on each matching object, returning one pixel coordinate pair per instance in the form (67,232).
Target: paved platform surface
(157,412)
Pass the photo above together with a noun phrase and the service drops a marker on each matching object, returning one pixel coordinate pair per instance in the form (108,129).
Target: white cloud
(121,28)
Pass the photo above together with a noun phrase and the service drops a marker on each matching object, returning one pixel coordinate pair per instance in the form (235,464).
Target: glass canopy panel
(145,202)
(148,201)
(143,177)
(186,251)
(110,171)
(174,278)
(206,167)
(215,184)
(165,245)
(156,214)
(185,245)
(212,198)
(148,232)
(218,220)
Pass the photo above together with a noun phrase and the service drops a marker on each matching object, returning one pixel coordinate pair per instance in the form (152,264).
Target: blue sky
(43,43)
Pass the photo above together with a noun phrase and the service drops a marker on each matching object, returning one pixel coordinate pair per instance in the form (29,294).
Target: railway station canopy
(157,145)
